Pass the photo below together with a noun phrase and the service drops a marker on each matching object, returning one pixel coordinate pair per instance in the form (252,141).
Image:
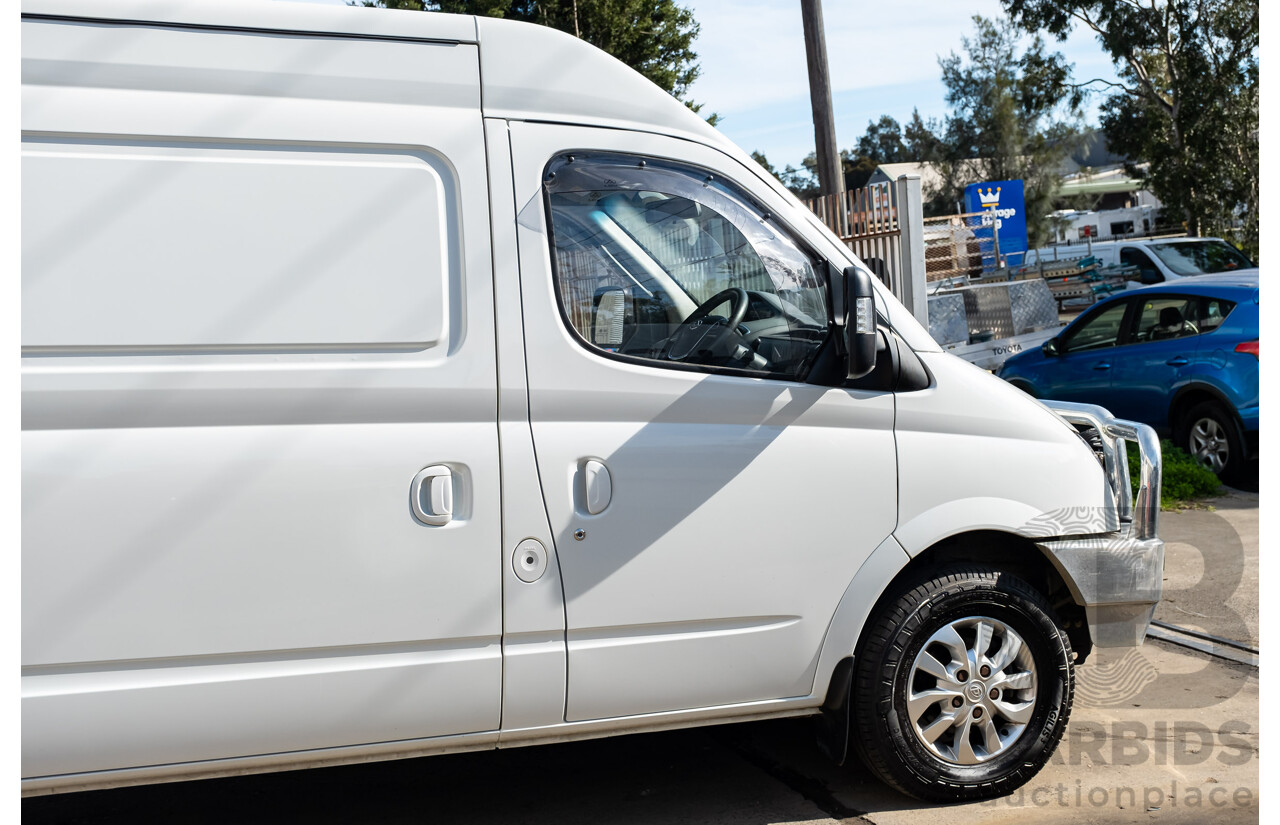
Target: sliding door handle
(431,495)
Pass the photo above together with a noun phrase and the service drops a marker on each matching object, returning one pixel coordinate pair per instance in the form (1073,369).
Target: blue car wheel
(1209,432)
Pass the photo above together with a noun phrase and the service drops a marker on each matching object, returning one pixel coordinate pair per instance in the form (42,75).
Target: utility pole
(830,173)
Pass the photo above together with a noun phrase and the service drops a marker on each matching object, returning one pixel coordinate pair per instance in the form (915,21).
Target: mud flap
(833,724)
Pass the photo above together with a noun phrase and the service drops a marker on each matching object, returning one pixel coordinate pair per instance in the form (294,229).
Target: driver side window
(669,265)
(1099,331)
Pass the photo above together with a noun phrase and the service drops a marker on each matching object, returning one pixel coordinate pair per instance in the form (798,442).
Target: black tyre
(962,686)
(1209,432)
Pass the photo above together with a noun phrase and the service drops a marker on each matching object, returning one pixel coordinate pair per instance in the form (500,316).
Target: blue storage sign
(1001,203)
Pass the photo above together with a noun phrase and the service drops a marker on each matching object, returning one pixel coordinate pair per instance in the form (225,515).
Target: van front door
(708,507)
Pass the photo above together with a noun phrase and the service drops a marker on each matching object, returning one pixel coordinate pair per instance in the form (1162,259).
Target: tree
(1187,100)
(1013,116)
(886,141)
(802,182)
(882,142)
(921,139)
(654,37)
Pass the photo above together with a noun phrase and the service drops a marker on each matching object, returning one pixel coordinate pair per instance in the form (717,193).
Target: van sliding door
(257,306)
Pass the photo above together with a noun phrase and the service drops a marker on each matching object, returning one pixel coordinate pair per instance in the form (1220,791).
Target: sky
(882,54)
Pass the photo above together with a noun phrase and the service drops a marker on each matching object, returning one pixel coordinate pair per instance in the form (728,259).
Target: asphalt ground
(1157,734)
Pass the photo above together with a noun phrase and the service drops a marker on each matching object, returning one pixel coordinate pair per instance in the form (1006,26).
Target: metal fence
(881,224)
(953,248)
(867,220)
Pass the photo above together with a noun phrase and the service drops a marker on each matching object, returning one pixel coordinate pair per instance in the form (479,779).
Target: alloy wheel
(1209,444)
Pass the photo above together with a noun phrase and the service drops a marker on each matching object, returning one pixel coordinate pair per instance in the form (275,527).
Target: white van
(400,383)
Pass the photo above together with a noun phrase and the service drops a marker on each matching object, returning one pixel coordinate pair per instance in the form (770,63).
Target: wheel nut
(956,702)
(977,713)
(962,675)
(985,671)
(994,694)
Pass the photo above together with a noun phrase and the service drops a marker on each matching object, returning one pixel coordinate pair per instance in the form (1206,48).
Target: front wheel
(962,686)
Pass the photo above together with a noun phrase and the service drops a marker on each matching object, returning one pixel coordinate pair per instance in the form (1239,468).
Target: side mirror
(1150,276)
(859,322)
(1050,347)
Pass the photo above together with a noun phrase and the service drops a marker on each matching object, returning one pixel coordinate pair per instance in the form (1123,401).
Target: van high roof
(529,72)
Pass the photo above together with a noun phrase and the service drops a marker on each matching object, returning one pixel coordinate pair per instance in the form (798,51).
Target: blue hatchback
(1181,356)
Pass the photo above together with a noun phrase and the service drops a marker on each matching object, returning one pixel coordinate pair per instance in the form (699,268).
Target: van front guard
(1117,577)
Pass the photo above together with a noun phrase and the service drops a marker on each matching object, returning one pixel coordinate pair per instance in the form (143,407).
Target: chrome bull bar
(1142,510)
(1117,578)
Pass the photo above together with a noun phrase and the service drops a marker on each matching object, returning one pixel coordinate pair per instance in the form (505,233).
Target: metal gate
(881,223)
(867,221)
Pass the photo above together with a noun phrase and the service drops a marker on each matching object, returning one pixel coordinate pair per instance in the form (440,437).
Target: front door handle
(598,486)
(431,495)
(1178,361)
(1102,365)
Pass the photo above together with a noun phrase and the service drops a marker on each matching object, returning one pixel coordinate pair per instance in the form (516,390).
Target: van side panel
(257,302)
(245,270)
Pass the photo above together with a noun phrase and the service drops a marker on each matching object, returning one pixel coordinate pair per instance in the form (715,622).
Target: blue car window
(1165,317)
(1102,330)
(1213,311)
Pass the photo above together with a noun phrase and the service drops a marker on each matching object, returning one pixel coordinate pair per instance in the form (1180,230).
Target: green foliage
(1014,115)
(802,182)
(654,37)
(1183,479)
(1187,100)
(883,142)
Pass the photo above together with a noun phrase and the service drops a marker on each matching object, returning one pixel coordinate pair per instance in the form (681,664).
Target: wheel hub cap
(1209,444)
(978,727)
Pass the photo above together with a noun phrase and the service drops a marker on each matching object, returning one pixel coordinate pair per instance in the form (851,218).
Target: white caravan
(400,383)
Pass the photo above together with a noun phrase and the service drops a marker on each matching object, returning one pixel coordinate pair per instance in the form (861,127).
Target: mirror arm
(836,279)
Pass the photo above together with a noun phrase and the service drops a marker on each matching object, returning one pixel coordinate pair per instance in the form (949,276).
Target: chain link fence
(953,249)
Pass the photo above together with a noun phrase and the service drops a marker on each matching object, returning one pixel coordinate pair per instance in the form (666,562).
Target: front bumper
(1116,577)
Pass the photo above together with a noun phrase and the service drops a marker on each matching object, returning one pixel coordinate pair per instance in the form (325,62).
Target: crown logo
(989,198)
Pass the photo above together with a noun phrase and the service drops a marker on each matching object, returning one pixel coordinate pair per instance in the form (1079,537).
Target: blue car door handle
(1178,361)
(1102,365)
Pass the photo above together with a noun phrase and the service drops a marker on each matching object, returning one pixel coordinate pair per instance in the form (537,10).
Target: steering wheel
(703,332)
